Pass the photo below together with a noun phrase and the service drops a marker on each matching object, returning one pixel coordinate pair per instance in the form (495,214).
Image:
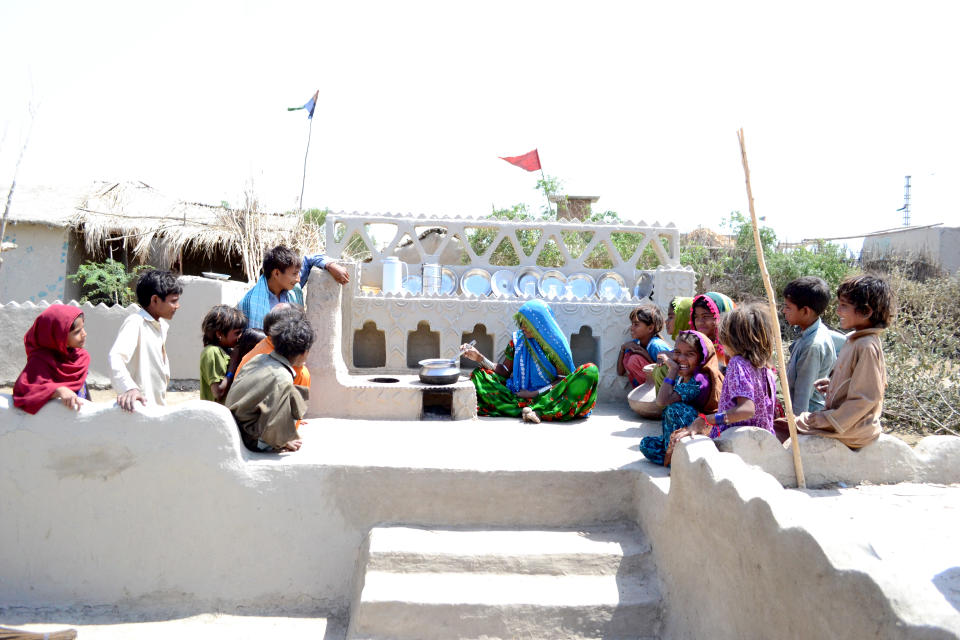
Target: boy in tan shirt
(854,390)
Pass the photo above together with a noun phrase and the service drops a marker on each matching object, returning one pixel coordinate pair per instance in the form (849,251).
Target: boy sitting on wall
(813,354)
(264,400)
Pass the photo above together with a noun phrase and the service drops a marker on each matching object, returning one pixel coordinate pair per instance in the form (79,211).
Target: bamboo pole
(781,363)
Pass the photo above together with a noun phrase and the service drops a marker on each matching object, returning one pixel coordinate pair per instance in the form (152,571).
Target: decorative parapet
(575,241)
(390,332)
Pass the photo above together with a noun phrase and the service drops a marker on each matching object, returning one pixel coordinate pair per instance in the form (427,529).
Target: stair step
(602,551)
(481,605)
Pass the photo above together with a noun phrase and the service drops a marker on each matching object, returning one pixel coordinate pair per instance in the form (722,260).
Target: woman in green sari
(537,378)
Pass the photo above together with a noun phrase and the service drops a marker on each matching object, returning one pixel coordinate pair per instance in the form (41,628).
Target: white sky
(636,102)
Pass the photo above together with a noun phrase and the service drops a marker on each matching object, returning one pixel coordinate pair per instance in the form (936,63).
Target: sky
(636,102)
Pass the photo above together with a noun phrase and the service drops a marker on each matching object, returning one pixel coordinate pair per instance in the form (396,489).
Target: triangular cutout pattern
(599,258)
(626,242)
(356,248)
(649,258)
(550,255)
(528,239)
(505,255)
(339,230)
(576,241)
(480,238)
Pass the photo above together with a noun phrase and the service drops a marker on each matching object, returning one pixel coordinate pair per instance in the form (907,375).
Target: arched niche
(369,346)
(484,345)
(422,344)
(584,347)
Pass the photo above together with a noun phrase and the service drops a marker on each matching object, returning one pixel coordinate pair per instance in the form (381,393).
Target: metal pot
(439,371)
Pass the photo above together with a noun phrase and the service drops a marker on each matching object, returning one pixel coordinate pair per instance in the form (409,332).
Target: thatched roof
(144,220)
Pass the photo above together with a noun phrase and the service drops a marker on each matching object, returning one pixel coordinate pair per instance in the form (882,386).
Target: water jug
(431,279)
(393,274)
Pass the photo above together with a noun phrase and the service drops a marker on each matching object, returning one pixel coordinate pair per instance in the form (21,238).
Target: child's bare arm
(667,395)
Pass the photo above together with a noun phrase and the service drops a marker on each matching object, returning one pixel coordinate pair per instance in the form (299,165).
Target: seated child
(280,312)
(678,316)
(692,385)
(749,388)
(854,391)
(222,327)
(263,399)
(646,322)
(705,313)
(812,355)
(57,363)
(139,368)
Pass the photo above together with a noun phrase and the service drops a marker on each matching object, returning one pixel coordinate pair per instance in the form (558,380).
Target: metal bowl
(439,371)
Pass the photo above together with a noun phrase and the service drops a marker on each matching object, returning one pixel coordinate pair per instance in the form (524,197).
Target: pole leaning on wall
(781,363)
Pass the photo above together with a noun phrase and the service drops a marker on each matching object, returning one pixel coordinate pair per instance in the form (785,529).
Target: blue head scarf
(539,360)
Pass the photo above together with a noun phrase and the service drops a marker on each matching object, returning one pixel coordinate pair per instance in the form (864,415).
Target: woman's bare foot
(293,445)
(529,415)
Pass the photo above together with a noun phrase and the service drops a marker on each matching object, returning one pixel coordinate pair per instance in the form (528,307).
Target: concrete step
(600,551)
(440,606)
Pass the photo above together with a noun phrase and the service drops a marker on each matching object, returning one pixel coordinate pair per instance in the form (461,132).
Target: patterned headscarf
(538,361)
(718,304)
(709,367)
(681,315)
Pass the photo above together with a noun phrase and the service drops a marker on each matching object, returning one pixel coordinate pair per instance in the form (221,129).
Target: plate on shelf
(527,280)
(503,283)
(582,285)
(215,276)
(475,282)
(413,284)
(644,286)
(611,286)
(552,284)
(448,282)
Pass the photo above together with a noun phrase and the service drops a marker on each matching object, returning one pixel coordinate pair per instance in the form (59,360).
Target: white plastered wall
(36,270)
(184,342)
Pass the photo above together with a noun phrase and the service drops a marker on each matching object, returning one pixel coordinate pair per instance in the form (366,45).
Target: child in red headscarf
(57,363)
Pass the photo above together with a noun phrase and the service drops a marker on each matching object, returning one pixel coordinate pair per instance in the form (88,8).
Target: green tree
(107,282)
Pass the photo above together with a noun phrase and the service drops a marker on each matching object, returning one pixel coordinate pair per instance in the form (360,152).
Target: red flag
(529,161)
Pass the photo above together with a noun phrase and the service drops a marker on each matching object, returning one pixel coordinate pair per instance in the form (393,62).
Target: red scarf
(50,363)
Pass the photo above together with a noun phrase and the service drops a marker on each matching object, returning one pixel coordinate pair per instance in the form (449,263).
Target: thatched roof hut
(157,228)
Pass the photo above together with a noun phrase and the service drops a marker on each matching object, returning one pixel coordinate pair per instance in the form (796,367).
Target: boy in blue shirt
(646,321)
(812,355)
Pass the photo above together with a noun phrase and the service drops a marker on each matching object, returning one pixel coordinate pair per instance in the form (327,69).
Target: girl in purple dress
(749,388)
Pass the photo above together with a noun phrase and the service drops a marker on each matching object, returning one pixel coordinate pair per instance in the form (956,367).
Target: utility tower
(906,203)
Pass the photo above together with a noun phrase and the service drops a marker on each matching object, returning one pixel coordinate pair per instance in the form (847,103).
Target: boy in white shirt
(139,368)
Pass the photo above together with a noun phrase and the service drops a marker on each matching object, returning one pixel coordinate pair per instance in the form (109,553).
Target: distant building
(935,244)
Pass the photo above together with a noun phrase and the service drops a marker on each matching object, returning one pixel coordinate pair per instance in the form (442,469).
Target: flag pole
(781,363)
(304,181)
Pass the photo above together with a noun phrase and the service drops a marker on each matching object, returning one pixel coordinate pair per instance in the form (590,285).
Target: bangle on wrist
(229,375)
(669,381)
(720,418)
(487,363)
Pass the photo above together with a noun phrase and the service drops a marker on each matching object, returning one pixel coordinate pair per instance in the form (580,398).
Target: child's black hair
(808,291)
(866,292)
(221,319)
(282,311)
(155,282)
(282,258)
(248,340)
(649,313)
(292,337)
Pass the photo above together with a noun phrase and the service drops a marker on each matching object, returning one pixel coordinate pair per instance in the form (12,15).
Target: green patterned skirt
(573,397)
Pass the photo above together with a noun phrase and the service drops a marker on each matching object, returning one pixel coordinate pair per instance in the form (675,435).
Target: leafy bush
(107,282)
(922,351)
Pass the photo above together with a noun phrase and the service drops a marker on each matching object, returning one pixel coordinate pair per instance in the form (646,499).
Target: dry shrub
(922,350)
